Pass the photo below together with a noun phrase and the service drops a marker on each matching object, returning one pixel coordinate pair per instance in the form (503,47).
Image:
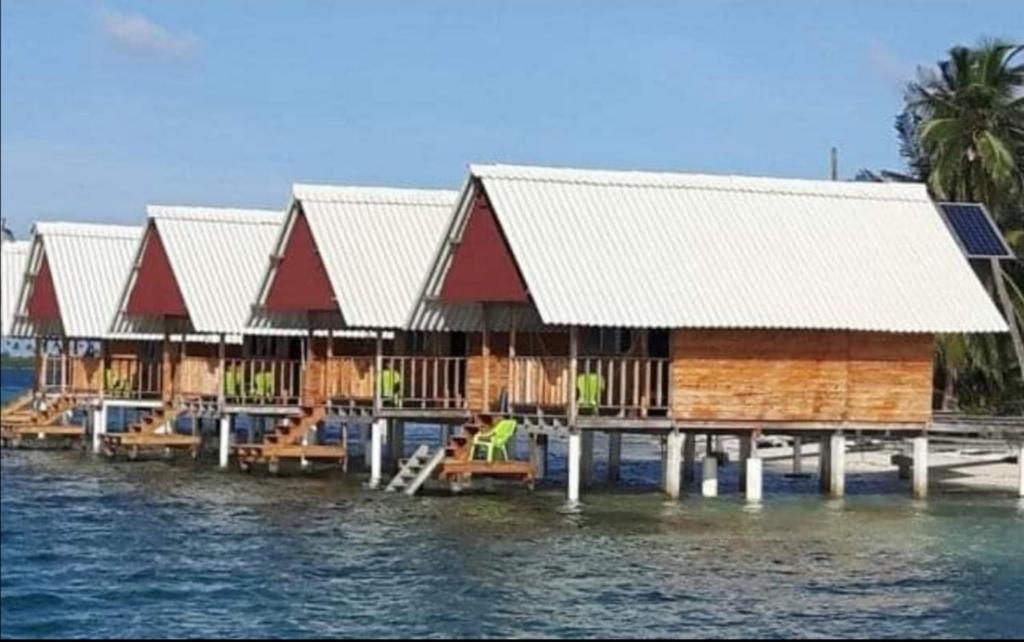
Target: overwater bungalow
(345,272)
(67,292)
(190,281)
(683,304)
(13,258)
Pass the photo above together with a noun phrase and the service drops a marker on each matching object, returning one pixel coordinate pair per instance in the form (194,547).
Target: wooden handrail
(635,385)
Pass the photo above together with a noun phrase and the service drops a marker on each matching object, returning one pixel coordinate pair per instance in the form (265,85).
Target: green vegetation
(962,133)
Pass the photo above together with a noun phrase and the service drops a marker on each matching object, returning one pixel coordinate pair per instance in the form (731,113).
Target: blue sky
(106,106)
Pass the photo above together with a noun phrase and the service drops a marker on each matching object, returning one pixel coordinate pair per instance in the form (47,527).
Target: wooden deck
(134,443)
(460,467)
(15,436)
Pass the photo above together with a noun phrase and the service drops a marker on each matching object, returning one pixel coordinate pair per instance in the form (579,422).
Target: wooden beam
(573,354)
(378,368)
(485,352)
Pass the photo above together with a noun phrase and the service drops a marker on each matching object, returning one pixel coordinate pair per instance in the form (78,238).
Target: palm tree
(971,113)
(963,130)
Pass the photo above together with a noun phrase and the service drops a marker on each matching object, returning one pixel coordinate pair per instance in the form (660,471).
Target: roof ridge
(374,194)
(661,179)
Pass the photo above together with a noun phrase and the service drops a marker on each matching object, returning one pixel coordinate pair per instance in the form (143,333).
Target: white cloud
(141,35)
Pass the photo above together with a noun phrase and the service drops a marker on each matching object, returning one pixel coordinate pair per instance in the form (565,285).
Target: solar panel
(975,231)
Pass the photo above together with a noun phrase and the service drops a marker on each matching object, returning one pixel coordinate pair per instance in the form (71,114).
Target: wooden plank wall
(198,375)
(86,374)
(497,376)
(801,376)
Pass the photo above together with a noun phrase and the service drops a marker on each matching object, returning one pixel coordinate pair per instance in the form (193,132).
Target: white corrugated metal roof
(13,260)
(376,244)
(646,249)
(88,262)
(217,255)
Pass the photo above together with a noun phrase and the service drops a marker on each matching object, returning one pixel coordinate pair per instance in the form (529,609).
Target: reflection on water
(93,548)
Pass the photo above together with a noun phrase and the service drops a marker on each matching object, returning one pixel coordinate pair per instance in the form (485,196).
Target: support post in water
(837,465)
(709,483)
(99,426)
(225,440)
(920,481)
(673,463)
(754,478)
(573,463)
(689,458)
(377,430)
(823,463)
(746,447)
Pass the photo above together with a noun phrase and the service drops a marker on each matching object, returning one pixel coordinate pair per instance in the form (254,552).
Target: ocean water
(90,548)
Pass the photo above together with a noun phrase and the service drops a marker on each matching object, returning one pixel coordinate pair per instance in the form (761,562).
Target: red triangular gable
(300,282)
(483,268)
(42,302)
(155,291)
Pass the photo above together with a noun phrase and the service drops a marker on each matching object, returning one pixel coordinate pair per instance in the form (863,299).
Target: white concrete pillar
(837,466)
(709,484)
(673,464)
(614,457)
(99,426)
(377,434)
(920,481)
(798,455)
(574,463)
(224,442)
(690,459)
(754,479)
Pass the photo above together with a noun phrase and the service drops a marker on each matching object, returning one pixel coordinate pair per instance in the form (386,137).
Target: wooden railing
(540,382)
(634,386)
(423,382)
(133,378)
(263,381)
(623,386)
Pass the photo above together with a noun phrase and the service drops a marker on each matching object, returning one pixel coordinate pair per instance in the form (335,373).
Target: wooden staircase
(285,443)
(458,466)
(18,405)
(147,435)
(19,420)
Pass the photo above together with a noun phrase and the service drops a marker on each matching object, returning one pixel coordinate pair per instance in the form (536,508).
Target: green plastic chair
(113,383)
(390,385)
(232,383)
(263,385)
(496,440)
(589,386)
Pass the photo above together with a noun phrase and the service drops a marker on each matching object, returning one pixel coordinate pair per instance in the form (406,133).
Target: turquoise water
(90,548)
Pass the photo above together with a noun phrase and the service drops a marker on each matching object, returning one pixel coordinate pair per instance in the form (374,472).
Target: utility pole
(833,164)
